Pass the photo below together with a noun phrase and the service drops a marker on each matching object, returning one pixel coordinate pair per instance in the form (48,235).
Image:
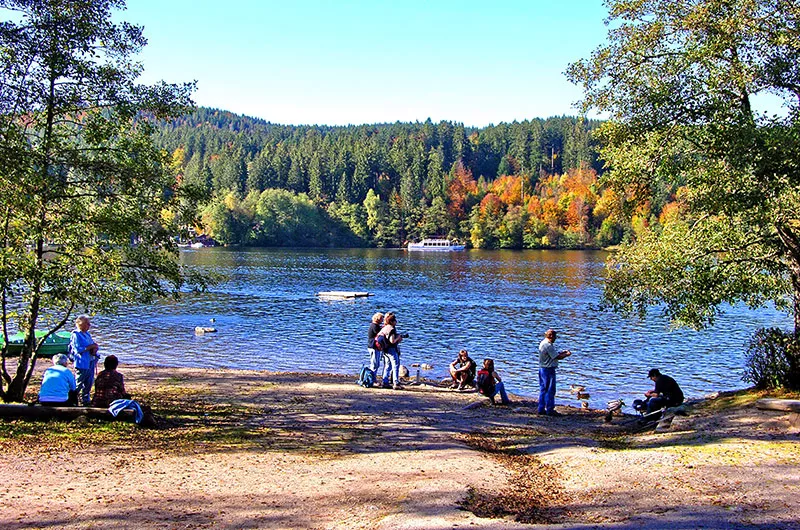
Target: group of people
(464,372)
(666,393)
(61,388)
(384,329)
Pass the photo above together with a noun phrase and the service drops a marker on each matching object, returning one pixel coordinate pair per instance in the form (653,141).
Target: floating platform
(343,295)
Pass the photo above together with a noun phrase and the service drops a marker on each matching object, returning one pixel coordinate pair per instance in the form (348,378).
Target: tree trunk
(791,241)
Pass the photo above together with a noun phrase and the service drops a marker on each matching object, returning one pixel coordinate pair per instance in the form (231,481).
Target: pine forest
(530,184)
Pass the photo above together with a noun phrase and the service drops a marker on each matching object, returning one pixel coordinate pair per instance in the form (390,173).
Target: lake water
(493,303)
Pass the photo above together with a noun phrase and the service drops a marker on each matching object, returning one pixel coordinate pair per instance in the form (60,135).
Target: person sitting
(666,393)
(462,370)
(109,385)
(58,384)
(490,384)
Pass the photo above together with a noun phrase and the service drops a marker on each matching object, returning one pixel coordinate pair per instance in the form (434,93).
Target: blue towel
(118,405)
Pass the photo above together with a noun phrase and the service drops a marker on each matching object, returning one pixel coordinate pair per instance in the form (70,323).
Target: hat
(653,373)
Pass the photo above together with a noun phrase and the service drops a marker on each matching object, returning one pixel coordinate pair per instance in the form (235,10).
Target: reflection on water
(493,303)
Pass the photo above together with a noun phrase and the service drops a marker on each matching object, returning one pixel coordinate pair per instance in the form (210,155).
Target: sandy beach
(247,449)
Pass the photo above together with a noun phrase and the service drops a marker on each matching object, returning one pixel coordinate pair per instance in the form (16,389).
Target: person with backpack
(391,353)
(462,370)
(374,329)
(490,384)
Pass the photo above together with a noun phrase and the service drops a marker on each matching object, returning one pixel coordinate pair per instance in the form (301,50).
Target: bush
(772,359)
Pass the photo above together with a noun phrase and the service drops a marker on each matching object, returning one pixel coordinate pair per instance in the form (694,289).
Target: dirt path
(264,450)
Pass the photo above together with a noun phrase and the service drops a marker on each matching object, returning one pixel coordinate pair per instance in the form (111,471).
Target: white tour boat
(441,245)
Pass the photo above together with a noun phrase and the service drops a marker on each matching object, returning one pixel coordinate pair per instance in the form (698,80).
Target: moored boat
(436,244)
(58,342)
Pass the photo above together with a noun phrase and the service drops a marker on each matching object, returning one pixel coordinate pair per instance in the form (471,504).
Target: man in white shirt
(548,362)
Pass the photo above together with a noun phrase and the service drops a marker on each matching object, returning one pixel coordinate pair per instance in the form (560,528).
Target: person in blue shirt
(83,351)
(58,384)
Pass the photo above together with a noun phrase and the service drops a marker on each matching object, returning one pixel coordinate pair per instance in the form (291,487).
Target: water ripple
(495,304)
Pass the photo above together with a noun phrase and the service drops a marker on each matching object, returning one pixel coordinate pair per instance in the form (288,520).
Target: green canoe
(58,342)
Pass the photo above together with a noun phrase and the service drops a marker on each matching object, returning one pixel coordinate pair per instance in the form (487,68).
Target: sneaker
(554,413)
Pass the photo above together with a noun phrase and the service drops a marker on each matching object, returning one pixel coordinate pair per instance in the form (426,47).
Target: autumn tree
(678,79)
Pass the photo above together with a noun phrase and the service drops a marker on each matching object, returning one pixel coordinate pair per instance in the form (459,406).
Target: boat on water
(436,244)
(58,342)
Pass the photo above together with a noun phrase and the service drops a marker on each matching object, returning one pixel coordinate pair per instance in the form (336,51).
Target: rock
(664,424)
(477,404)
(403,371)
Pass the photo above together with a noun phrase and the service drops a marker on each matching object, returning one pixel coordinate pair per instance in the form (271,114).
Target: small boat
(58,342)
(436,244)
(197,244)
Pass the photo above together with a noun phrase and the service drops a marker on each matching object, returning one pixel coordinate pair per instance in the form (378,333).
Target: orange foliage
(460,187)
(491,204)
(509,189)
(672,211)
(551,213)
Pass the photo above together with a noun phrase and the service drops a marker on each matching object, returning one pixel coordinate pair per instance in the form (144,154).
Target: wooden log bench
(40,412)
(784,405)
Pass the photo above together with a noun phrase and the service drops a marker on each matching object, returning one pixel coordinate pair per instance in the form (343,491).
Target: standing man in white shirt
(548,362)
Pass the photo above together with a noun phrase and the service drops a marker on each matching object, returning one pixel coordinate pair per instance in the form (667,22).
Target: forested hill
(525,184)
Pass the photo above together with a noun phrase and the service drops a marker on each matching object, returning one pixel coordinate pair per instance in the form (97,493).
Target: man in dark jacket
(667,393)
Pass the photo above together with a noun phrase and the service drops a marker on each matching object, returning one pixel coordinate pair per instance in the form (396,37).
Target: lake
(493,303)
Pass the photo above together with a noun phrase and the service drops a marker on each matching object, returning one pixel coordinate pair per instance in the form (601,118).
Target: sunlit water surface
(493,303)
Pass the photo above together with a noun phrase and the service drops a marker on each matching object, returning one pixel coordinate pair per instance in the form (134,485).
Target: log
(40,412)
(784,405)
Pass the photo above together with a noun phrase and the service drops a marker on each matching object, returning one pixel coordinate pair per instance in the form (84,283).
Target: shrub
(772,359)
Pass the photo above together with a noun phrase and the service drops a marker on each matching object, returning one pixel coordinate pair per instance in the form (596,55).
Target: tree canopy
(679,80)
(85,195)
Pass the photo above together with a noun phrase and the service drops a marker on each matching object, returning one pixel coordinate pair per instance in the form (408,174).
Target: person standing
(391,357)
(548,362)
(374,329)
(83,351)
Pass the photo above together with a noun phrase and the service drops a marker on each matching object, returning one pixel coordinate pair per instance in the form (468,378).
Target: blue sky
(342,62)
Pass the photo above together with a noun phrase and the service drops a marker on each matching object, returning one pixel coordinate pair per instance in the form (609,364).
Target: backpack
(381,343)
(485,382)
(366,378)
